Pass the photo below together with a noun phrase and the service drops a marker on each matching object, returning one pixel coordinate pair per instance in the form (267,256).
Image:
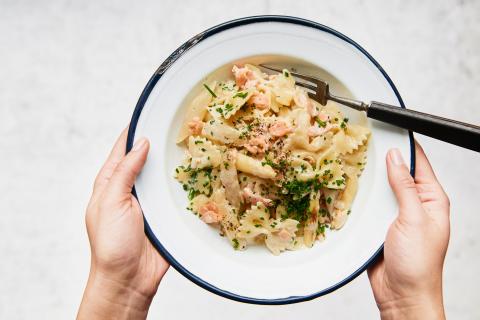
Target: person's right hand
(407,280)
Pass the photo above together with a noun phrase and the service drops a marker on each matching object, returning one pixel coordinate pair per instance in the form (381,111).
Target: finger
(115,156)
(403,185)
(123,178)
(428,186)
(118,150)
(423,169)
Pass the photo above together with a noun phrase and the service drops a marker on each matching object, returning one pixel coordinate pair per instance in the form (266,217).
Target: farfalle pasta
(268,165)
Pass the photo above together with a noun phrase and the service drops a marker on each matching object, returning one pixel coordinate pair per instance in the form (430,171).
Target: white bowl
(195,249)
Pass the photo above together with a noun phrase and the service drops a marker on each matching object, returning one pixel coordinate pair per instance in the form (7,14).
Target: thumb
(126,172)
(403,186)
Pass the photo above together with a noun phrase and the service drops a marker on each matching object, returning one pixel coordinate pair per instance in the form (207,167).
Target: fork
(455,132)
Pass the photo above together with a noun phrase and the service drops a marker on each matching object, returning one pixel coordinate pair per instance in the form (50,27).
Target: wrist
(108,298)
(422,306)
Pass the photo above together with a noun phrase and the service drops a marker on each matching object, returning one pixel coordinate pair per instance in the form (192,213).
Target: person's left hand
(125,268)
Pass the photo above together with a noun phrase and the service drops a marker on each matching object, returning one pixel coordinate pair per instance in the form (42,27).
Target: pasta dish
(267,164)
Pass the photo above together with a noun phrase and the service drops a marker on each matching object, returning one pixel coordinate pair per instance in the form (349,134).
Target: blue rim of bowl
(141,103)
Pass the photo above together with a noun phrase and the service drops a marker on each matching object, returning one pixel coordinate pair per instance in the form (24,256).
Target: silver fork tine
(313,96)
(320,87)
(298,75)
(306,85)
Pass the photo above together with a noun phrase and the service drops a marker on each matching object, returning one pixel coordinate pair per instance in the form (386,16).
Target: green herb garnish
(321,229)
(240,94)
(282,164)
(321,123)
(228,107)
(235,243)
(210,90)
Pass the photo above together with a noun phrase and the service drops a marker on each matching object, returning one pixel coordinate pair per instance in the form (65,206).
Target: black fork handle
(455,132)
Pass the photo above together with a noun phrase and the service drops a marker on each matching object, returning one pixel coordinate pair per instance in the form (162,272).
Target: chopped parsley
(227,86)
(235,243)
(241,94)
(294,196)
(321,123)
(191,186)
(210,90)
(198,141)
(281,165)
(192,193)
(323,212)
(343,125)
(321,229)
(297,209)
(297,188)
(228,107)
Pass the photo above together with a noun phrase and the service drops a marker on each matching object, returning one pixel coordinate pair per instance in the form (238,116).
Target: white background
(71,73)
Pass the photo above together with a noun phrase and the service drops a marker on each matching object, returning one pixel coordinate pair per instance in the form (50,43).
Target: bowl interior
(198,248)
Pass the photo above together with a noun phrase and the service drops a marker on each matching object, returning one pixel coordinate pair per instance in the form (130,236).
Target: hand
(407,280)
(125,268)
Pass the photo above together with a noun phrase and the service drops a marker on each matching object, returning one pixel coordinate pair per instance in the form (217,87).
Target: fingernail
(139,144)
(396,157)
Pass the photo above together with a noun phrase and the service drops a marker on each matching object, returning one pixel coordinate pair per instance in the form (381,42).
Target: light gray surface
(71,73)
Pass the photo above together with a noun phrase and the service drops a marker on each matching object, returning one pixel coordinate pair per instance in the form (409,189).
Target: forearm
(417,307)
(107,299)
